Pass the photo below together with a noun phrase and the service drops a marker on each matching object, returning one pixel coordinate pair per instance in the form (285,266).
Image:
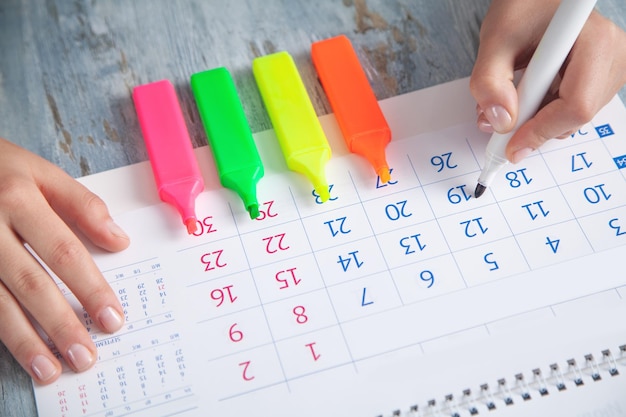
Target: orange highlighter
(173,161)
(352,99)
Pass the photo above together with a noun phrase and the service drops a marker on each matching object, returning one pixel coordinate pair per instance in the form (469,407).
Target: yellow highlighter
(299,132)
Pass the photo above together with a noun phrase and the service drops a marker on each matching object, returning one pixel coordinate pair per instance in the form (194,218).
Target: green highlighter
(236,157)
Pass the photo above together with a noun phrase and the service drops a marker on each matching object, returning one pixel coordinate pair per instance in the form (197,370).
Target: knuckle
(65,329)
(65,253)
(6,301)
(28,282)
(12,192)
(582,112)
(92,202)
(21,345)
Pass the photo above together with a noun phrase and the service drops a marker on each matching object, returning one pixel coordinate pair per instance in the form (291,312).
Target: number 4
(554,244)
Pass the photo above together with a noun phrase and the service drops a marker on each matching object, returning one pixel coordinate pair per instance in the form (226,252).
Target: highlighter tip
(323,193)
(253,209)
(480,190)
(192,225)
(384,174)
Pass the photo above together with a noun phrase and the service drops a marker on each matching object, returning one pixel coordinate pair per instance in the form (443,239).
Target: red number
(311,346)
(299,311)
(264,214)
(220,295)
(269,248)
(205,226)
(244,374)
(213,260)
(291,276)
(235,335)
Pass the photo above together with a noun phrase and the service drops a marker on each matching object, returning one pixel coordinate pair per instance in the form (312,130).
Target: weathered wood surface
(67,68)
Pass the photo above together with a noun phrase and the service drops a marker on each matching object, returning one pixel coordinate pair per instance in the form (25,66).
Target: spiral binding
(505,393)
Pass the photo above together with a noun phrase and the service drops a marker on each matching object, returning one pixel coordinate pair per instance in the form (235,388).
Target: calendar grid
(360,204)
(265,306)
(449,248)
(261,305)
(310,245)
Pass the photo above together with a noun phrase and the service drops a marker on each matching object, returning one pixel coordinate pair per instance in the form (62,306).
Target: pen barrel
(547,60)
(555,45)
(497,145)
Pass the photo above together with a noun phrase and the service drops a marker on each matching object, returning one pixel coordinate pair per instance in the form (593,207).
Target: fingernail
(110,320)
(116,230)
(484,125)
(499,118)
(43,368)
(521,154)
(80,357)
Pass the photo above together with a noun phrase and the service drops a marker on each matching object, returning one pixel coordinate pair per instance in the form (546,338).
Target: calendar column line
(497,203)
(330,300)
(430,206)
(269,329)
(369,222)
(569,206)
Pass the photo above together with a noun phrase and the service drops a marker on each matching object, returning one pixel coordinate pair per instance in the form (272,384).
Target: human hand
(39,203)
(593,73)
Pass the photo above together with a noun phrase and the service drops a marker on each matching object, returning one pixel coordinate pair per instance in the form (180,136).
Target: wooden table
(68,68)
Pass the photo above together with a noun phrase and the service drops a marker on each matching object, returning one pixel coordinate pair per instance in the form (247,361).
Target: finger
(557,119)
(491,84)
(65,255)
(484,125)
(587,85)
(501,48)
(29,283)
(21,339)
(76,205)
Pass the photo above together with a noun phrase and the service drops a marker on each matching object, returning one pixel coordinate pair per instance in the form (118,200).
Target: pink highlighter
(173,161)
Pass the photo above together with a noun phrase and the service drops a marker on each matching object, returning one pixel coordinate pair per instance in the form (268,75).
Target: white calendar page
(387,297)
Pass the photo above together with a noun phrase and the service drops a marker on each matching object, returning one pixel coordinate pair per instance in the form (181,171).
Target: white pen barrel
(551,52)
(555,45)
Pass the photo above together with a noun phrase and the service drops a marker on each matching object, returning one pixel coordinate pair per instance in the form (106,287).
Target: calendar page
(386,297)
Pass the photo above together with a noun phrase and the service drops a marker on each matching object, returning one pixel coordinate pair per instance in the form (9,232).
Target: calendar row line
(450,193)
(278,288)
(478,240)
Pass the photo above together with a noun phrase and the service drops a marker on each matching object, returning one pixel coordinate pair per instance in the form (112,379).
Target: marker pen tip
(253,209)
(192,225)
(384,174)
(480,190)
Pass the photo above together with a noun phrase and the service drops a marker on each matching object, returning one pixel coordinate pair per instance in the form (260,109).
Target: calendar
(384,300)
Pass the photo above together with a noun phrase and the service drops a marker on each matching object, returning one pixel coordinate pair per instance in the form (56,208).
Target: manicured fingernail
(80,357)
(499,118)
(483,124)
(116,230)
(43,368)
(110,320)
(521,154)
